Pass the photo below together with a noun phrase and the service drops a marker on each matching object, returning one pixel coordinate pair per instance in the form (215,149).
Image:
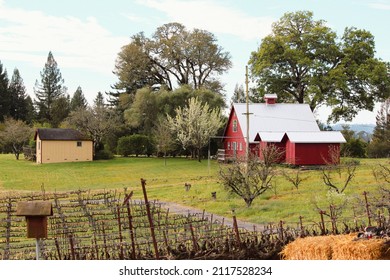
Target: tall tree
(19,107)
(194,124)
(78,100)
(4,93)
(303,61)
(239,94)
(49,89)
(380,144)
(99,100)
(96,121)
(173,56)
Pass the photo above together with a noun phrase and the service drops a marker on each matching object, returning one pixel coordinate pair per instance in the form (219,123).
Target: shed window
(79,144)
(234,125)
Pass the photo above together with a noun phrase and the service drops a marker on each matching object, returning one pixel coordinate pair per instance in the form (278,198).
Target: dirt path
(185,210)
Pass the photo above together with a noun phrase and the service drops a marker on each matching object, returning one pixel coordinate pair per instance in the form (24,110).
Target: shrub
(103,154)
(135,144)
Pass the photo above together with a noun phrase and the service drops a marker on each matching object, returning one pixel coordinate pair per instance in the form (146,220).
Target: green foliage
(303,61)
(380,144)
(174,55)
(136,144)
(78,100)
(48,93)
(103,155)
(4,94)
(194,124)
(15,134)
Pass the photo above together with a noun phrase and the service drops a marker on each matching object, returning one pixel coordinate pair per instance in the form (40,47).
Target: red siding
(234,136)
(309,154)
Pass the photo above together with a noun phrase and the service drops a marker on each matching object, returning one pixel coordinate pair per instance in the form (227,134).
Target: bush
(103,154)
(135,144)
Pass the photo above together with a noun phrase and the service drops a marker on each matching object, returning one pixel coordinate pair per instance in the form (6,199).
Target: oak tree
(304,61)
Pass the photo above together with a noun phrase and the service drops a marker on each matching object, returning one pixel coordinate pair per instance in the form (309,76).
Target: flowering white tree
(194,124)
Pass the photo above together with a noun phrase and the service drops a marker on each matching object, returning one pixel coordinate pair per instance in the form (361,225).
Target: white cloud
(213,17)
(380,6)
(28,36)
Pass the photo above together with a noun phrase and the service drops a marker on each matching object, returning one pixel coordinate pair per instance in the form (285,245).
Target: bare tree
(294,178)
(250,178)
(16,134)
(339,177)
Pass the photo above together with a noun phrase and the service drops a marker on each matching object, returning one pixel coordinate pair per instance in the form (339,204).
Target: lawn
(166,183)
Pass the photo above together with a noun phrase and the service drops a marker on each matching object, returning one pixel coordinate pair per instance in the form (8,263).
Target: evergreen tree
(99,100)
(380,144)
(78,100)
(4,94)
(18,96)
(49,90)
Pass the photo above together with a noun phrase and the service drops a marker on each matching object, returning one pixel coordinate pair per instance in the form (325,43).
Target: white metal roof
(271,136)
(277,117)
(316,137)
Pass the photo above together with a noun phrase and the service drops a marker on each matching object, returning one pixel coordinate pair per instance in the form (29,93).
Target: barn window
(234,146)
(240,145)
(234,125)
(228,146)
(79,144)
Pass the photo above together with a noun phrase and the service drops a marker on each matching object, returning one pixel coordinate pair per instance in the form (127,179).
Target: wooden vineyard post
(367,208)
(143,183)
(235,226)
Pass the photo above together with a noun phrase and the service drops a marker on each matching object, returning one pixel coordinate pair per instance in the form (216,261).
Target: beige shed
(62,145)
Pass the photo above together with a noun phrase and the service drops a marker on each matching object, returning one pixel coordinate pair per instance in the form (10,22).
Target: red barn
(291,127)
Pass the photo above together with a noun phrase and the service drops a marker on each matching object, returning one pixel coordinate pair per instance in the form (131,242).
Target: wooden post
(143,183)
(322,222)
(367,208)
(131,230)
(235,226)
(120,232)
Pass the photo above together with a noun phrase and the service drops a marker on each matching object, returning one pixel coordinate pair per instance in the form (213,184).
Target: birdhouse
(36,213)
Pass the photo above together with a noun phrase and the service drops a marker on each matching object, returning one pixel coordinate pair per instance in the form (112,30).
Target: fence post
(235,226)
(322,222)
(131,229)
(143,183)
(120,232)
(301,225)
(367,208)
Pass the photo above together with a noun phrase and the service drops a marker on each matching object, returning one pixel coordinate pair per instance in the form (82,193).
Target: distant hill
(362,131)
(369,128)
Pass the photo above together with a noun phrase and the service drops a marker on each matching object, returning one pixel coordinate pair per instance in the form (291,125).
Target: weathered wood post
(143,182)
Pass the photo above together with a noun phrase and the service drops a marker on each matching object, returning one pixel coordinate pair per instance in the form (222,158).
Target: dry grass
(340,247)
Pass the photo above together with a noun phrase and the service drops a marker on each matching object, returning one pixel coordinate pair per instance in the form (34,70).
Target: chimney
(270,99)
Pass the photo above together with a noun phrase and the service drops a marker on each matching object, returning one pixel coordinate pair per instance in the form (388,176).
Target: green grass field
(166,183)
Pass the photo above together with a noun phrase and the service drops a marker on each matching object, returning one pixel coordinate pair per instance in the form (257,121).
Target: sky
(85,36)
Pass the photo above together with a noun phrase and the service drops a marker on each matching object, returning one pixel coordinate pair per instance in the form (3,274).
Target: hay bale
(350,248)
(337,247)
(309,248)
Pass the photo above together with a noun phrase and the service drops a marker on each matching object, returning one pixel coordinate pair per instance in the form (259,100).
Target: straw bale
(309,248)
(351,248)
(337,247)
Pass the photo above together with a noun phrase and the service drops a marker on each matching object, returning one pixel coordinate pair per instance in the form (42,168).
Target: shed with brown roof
(62,145)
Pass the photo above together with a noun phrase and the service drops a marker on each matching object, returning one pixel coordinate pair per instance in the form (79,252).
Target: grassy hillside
(166,183)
